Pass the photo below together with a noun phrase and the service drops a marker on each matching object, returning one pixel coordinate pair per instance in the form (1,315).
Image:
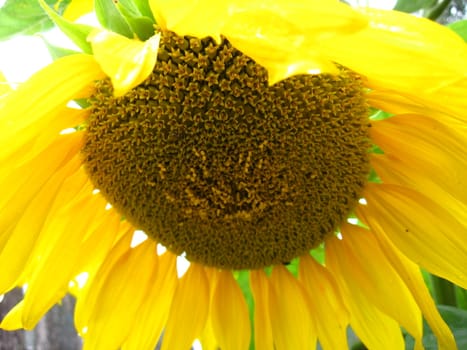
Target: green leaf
(26,17)
(460,27)
(456,320)
(78,33)
(109,17)
(413,5)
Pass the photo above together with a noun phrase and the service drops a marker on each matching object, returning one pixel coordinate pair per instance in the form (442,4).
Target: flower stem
(438,10)
(444,291)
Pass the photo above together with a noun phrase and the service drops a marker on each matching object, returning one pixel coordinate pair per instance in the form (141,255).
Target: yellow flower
(238,167)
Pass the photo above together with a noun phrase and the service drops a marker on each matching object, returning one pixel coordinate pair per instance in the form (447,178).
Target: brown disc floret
(210,160)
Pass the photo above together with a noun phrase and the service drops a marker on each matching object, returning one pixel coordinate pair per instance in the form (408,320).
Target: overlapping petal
(327,307)
(126,286)
(289,311)
(229,313)
(127,62)
(373,327)
(189,311)
(38,102)
(147,329)
(260,288)
(406,218)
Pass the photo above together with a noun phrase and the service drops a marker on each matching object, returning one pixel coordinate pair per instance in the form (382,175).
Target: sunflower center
(212,162)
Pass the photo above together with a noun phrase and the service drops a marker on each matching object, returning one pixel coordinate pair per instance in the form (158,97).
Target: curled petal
(128,62)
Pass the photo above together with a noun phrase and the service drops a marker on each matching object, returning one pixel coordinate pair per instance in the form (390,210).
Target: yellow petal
(395,103)
(78,8)
(207,338)
(392,102)
(230,318)
(56,254)
(277,34)
(435,242)
(45,94)
(21,182)
(281,35)
(412,277)
(195,18)
(128,62)
(290,313)
(5,88)
(15,255)
(263,330)
(401,52)
(120,297)
(93,249)
(330,315)
(374,328)
(39,136)
(98,245)
(370,273)
(392,170)
(451,97)
(189,310)
(87,299)
(13,319)
(425,146)
(155,308)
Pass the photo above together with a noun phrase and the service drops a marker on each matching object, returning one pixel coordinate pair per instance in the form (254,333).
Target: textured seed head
(209,160)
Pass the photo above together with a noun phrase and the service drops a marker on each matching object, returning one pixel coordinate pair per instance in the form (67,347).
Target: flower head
(238,136)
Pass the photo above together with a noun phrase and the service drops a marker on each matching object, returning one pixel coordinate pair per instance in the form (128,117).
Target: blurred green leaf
(460,28)
(457,322)
(109,17)
(292,266)
(26,17)
(318,253)
(78,33)
(57,51)
(413,5)
(461,298)
(243,280)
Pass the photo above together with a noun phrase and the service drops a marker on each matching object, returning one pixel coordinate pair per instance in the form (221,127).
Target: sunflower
(239,136)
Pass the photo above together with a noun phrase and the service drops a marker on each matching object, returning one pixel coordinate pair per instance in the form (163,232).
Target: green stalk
(438,10)
(444,291)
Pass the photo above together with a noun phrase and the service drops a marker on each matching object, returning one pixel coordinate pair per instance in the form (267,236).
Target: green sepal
(455,318)
(144,9)
(26,17)
(77,33)
(57,51)
(413,5)
(460,27)
(142,26)
(110,18)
